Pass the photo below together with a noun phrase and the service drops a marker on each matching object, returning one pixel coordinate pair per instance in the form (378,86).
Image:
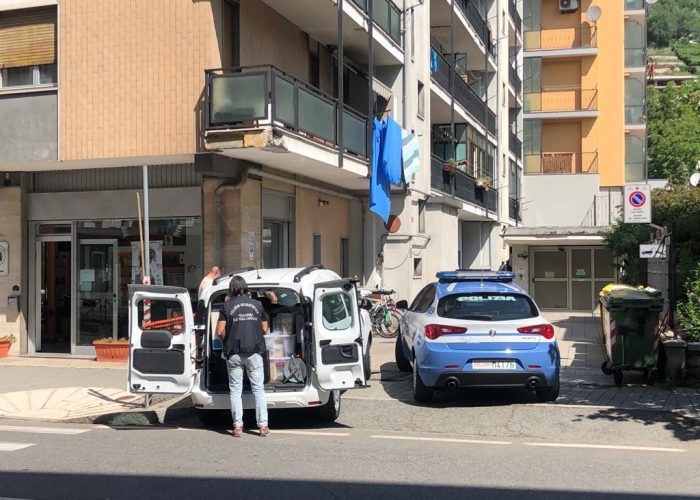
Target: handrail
(561,99)
(561,162)
(574,37)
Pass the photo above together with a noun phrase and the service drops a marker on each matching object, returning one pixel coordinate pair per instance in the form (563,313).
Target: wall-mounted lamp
(323,203)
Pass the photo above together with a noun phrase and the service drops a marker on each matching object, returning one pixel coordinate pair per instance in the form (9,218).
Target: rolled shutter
(27,37)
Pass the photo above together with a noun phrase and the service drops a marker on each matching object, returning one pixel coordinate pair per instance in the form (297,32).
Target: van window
(161,315)
(487,306)
(336,310)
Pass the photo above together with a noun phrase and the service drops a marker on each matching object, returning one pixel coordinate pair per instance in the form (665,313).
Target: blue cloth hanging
(391,152)
(379,189)
(410,154)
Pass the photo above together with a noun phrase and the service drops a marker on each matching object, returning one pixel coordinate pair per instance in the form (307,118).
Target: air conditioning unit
(568,5)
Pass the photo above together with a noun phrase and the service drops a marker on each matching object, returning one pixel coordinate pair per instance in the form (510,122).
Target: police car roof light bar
(475,275)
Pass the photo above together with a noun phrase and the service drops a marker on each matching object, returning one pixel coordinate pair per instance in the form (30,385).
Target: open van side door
(162,346)
(337,336)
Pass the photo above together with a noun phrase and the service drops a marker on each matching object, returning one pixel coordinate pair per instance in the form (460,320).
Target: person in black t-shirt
(242,324)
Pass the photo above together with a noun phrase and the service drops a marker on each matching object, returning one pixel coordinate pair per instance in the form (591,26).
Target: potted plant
(110,349)
(450,165)
(5,342)
(483,182)
(689,321)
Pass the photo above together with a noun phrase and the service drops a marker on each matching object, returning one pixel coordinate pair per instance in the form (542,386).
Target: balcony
(561,102)
(515,145)
(561,163)
(515,80)
(453,84)
(578,40)
(634,5)
(513,10)
(256,112)
(386,16)
(476,21)
(514,209)
(635,57)
(634,114)
(461,185)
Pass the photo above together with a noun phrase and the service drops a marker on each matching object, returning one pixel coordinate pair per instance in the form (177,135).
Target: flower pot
(111,351)
(5,345)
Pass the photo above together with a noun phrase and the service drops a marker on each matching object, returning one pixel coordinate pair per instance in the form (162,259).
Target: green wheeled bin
(630,317)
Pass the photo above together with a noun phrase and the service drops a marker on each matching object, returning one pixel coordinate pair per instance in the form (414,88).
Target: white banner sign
(652,251)
(156,262)
(638,203)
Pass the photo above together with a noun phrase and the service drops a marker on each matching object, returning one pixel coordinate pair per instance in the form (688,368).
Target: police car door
(161,340)
(337,336)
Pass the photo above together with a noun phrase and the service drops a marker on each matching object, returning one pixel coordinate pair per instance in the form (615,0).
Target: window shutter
(27,37)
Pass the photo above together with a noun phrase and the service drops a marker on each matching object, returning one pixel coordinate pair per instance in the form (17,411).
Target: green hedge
(689,53)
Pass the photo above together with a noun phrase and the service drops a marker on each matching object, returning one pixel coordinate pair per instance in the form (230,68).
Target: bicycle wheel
(389,326)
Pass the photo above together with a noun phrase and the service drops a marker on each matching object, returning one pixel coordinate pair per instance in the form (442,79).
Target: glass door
(550,278)
(275,244)
(581,271)
(53,295)
(97,290)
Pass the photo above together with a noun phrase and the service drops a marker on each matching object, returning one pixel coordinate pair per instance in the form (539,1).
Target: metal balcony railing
(515,80)
(515,145)
(514,209)
(634,114)
(561,163)
(461,185)
(561,99)
(513,9)
(477,22)
(454,84)
(634,4)
(577,37)
(386,15)
(257,96)
(635,57)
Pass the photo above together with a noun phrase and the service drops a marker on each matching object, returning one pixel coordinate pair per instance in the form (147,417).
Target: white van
(318,345)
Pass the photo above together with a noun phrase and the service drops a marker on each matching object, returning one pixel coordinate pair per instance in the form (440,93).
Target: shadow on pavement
(39,485)
(683,428)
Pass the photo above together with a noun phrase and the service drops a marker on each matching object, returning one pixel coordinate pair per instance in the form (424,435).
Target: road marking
(605,447)
(43,430)
(14,446)
(311,433)
(440,440)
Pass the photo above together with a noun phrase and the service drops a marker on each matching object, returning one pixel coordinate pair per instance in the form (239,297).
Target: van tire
(214,418)
(331,410)
(401,361)
(367,362)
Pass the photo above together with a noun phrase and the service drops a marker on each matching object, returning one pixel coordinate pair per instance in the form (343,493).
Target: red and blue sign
(637,199)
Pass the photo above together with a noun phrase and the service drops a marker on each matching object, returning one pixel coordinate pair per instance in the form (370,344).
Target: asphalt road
(377,449)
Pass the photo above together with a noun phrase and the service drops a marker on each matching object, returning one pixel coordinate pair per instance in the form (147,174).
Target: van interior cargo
(286,339)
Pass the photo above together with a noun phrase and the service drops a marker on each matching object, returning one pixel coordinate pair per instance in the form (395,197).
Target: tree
(673,131)
(672,20)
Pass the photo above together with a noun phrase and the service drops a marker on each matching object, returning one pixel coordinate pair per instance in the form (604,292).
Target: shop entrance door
(98,280)
(53,294)
(551,279)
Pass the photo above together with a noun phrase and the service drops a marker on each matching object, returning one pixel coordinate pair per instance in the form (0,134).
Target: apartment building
(254,118)
(584,138)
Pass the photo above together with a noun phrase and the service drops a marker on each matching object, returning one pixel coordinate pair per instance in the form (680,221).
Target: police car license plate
(493,365)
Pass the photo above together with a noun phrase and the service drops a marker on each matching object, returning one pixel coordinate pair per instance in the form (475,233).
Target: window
(344,257)
(336,310)
(424,300)
(421,99)
(417,267)
(165,315)
(419,297)
(28,76)
(422,204)
(314,63)
(486,306)
(317,249)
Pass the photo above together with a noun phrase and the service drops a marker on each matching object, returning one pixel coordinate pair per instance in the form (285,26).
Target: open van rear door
(161,340)
(337,336)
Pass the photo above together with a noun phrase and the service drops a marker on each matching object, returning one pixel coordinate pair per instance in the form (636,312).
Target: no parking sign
(638,203)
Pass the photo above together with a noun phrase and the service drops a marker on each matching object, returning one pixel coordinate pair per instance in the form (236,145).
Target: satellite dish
(593,13)
(695,179)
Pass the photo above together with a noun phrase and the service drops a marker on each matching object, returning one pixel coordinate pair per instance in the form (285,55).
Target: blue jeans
(253,364)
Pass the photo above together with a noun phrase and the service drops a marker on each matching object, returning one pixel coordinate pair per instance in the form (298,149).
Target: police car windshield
(485,306)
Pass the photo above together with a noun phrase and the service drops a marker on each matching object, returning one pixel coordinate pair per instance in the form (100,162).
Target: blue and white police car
(477,329)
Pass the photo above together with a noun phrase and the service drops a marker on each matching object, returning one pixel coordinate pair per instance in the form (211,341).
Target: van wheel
(214,418)
(367,362)
(331,410)
(421,393)
(401,361)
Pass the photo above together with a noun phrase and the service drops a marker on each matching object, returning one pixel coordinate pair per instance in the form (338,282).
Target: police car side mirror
(402,304)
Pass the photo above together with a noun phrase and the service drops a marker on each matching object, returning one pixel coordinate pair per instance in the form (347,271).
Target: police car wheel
(331,410)
(421,392)
(548,394)
(401,361)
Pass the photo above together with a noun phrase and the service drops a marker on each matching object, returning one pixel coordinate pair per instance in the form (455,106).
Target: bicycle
(384,317)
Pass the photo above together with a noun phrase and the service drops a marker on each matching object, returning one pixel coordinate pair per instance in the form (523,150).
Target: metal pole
(370,79)
(452,84)
(146,232)
(341,87)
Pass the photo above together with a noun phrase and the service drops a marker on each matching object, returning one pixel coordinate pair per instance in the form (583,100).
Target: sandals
(238,432)
(264,431)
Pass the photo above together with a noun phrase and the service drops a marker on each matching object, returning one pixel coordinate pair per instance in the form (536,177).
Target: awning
(562,235)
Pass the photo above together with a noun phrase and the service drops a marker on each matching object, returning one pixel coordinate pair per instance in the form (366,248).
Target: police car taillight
(546,330)
(436,331)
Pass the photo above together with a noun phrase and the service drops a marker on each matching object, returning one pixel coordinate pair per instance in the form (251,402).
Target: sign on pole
(652,251)
(638,203)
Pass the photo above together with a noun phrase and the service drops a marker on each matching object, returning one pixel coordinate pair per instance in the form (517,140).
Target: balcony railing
(514,15)
(477,22)
(461,185)
(386,15)
(514,209)
(634,114)
(561,163)
(516,146)
(634,57)
(578,37)
(265,96)
(634,4)
(453,84)
(561,99)
(515,80)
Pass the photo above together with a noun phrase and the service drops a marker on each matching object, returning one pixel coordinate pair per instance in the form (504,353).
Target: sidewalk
(582,382)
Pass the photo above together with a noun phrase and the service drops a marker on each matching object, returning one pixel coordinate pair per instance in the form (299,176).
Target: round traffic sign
(637,199)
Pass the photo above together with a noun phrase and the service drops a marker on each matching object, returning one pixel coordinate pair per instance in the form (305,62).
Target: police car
(477,329)
(317,348)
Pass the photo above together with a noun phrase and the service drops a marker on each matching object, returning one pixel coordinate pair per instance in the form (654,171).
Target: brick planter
(5,345)
(111,351)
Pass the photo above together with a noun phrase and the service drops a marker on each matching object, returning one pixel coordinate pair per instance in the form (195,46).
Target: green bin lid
(632,297)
